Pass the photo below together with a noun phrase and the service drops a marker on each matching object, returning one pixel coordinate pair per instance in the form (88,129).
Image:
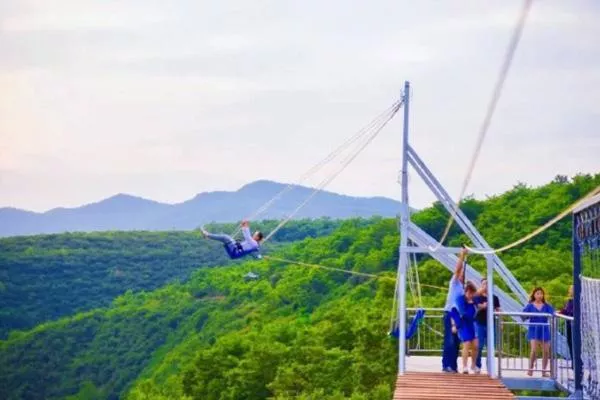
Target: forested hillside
(294,333)
(49,276)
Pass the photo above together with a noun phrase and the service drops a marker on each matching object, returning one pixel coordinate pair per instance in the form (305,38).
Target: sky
(164,100)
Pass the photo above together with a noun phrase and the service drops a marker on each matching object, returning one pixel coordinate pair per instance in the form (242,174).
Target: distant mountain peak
(122,196)
(125,197)
(128,212)
(261,184)
(119,203)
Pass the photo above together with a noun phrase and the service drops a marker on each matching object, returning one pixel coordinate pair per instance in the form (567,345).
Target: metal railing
(513,350)
(565,373)
(429,338)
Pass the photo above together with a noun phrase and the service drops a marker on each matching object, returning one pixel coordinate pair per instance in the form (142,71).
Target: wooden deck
(444,386)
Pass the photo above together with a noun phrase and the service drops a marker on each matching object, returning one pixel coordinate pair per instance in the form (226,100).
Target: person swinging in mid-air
(238,249)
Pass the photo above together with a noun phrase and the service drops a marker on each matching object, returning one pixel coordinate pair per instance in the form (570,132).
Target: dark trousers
(482,337)
(451,345)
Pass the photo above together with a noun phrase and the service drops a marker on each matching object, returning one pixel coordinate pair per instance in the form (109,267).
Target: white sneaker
(476,370)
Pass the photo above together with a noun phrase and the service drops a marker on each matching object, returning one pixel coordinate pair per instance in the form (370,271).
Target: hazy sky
(165,99)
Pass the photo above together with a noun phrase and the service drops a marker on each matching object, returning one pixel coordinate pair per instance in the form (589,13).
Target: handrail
(424,308)
(563,316)
(522,314)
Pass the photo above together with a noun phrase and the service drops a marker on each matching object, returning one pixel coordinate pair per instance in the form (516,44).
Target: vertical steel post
(403,259)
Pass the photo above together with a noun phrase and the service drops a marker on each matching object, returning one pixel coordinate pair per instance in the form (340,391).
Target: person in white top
(235,248)
(451,341)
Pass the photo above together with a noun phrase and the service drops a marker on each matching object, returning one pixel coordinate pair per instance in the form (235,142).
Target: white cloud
(187,96)
(74,15)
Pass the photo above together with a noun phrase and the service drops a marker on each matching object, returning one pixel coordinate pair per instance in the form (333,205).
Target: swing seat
(412,327)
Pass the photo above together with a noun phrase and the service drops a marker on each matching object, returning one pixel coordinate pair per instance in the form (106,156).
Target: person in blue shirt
(238,249)
(467,309)
(451,341)
(538,332)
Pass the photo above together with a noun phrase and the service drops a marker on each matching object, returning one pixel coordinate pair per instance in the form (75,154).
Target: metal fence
(513,350)
(565,373)
(429,338)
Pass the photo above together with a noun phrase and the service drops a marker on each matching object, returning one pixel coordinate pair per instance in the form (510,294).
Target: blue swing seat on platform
(412,328)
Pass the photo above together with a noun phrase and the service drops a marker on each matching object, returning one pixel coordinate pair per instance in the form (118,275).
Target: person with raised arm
(451,341)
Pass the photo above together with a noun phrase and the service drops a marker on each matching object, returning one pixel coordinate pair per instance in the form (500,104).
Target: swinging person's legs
(219,237)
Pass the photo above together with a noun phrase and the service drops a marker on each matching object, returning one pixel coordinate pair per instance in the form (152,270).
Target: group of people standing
(465,321)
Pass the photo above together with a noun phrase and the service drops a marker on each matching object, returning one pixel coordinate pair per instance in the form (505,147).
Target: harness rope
(491,108)
(347,161)
(317,167)
(541,229)
(304,264)
(346,271)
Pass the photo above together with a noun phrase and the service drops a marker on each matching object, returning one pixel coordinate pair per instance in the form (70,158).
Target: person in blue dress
(466,331)
(538,332)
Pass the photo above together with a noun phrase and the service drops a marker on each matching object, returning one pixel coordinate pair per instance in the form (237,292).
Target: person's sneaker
(203,231)
(449,370)
(465,371)
(476,370)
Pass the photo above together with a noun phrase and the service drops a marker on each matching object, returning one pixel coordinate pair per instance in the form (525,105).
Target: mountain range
(126,212)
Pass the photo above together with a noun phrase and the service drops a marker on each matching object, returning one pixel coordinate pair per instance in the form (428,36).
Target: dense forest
(293,333)
(45,277)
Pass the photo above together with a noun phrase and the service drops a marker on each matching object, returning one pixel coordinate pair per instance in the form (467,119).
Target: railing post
(403,262)
(500,346)
(490,317)
(553,352)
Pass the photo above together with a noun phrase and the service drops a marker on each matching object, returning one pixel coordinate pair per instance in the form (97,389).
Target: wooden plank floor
(444,386)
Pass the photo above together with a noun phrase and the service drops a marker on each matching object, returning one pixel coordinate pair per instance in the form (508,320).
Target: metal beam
(423,239)
(429,250)
(491,331)
(403,258)
(462,220)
